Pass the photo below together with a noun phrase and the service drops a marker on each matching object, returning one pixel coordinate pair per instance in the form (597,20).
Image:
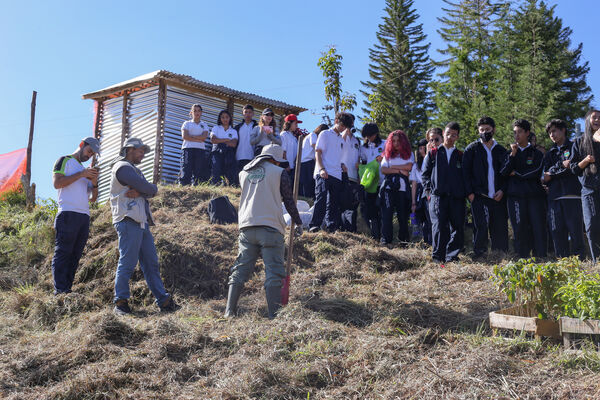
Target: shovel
(285,289)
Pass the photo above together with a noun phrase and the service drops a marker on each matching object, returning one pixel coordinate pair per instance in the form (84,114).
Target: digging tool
(285,289)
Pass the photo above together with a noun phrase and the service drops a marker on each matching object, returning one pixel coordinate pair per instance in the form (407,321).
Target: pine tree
(464,92)
(397,94)
(549,78)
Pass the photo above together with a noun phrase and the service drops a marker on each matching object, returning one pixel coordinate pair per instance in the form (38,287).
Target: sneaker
(314,229)
(122,307)
(168,305)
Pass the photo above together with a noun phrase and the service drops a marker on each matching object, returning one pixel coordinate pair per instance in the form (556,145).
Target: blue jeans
(72,230)
(136,243)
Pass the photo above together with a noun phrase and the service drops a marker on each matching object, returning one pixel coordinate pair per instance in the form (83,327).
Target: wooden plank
(124,119)
(547,328)
(160,125)
(575,325)
(512,322)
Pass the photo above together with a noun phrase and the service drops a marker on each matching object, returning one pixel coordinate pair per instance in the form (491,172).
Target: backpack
(221,211)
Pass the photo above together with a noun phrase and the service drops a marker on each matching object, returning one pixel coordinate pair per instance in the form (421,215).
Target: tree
(330,64)
(546,77)
(397,94)
(465,91)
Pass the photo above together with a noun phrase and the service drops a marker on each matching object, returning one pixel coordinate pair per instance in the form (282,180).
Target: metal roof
(186,80)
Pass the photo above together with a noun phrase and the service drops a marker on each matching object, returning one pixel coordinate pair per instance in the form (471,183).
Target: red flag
(12,166)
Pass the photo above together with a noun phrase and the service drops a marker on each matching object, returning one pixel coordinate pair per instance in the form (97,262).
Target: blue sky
(63,49)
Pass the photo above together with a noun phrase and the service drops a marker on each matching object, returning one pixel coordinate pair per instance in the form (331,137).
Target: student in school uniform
(289,142)
(352,189)
(443,180)
(584,164)
(564,194)
(526,197)
(372,149)
(419,199)
(224,141)
(195,158)
(394,196)
(328,173)
(307,165)
(244,152)
(485,188)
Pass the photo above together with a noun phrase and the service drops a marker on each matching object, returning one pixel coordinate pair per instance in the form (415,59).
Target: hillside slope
(364,321)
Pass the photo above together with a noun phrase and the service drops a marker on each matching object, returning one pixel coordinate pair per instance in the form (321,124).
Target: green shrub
(580,297)
(526,281)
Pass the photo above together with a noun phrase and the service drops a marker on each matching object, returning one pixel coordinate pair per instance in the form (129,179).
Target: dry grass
(363,322)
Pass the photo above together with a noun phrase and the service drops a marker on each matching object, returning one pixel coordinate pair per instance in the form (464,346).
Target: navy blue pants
(195,166)
(447,226)
(424,219)
(394,202)
(490,216)
(327,204)
(353,193)
(591,218)
(372,213)
(224,168)
(240,164)
(564,221)
(307,181)
(72,230)
(528,220)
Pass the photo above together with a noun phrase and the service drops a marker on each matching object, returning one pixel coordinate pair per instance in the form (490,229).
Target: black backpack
(221,211)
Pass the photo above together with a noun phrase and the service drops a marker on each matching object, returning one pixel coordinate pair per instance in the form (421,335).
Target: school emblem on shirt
(230,135)
(567,153)
(529,161)
(256,175)
(380,149)
(356,146)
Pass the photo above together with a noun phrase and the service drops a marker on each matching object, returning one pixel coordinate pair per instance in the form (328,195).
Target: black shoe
(168,305)
(477,256)
(314,229)
(453,259)
(122,307)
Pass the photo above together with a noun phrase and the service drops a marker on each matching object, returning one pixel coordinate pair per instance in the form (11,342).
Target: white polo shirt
(351,156)
(331,145)
(220,133)
(415,173)
(74,197)
(397,161)
(245,151)
(289,143)
(308,152)
(194,129)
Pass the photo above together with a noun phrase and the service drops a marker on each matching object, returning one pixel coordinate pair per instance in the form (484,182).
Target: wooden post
(28,187)
(160,131)
(124,119)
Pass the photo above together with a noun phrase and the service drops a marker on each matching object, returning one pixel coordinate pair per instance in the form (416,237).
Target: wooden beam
(160,132)
(97,118)
(28,187)
(124,119)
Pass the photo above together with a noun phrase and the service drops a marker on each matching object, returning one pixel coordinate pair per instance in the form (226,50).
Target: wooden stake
(28,187)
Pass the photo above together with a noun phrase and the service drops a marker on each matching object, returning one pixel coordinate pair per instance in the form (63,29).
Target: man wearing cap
(129,191)
(77,186)
(262,227)
(289,142)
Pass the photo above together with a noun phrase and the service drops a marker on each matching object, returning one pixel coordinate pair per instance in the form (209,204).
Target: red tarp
(12,166)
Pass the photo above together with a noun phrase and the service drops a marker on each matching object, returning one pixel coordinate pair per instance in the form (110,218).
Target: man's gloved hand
(298,230)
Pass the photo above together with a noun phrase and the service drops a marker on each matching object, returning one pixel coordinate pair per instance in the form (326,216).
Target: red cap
(292,117)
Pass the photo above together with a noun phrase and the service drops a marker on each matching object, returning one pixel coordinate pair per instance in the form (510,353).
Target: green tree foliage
(540,77)
(397,94)
(330,64)
(470,68)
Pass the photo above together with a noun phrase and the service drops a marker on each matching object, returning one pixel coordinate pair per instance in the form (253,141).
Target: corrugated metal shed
(153,107)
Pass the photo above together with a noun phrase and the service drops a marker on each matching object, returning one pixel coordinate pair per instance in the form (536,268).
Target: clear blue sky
(64,49)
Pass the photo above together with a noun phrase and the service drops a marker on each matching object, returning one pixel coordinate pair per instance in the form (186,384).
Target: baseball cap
(93,143)
(136,144)
(292,117)
(267,111)
(273,151)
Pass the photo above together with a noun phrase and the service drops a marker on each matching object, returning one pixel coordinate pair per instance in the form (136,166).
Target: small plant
(580,297)
(526,281)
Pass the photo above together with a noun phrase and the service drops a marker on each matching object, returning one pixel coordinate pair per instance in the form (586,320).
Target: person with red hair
(394,196)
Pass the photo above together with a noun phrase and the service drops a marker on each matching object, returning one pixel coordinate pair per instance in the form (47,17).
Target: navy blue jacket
(442,178)
(562,180)
(589,181)
(475,168)
(527,165)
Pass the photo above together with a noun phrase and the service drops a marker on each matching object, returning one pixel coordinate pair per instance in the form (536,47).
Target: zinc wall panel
(142,117)
(110,142)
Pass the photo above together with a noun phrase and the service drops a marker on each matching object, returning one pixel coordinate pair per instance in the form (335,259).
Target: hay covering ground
(364,321)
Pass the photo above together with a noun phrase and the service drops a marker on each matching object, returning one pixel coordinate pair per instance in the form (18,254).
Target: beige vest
(122,206)
(260,203)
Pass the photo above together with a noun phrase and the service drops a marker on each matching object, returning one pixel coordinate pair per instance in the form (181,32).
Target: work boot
(122,307)
(232,299)
(273,300)
(168,305)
